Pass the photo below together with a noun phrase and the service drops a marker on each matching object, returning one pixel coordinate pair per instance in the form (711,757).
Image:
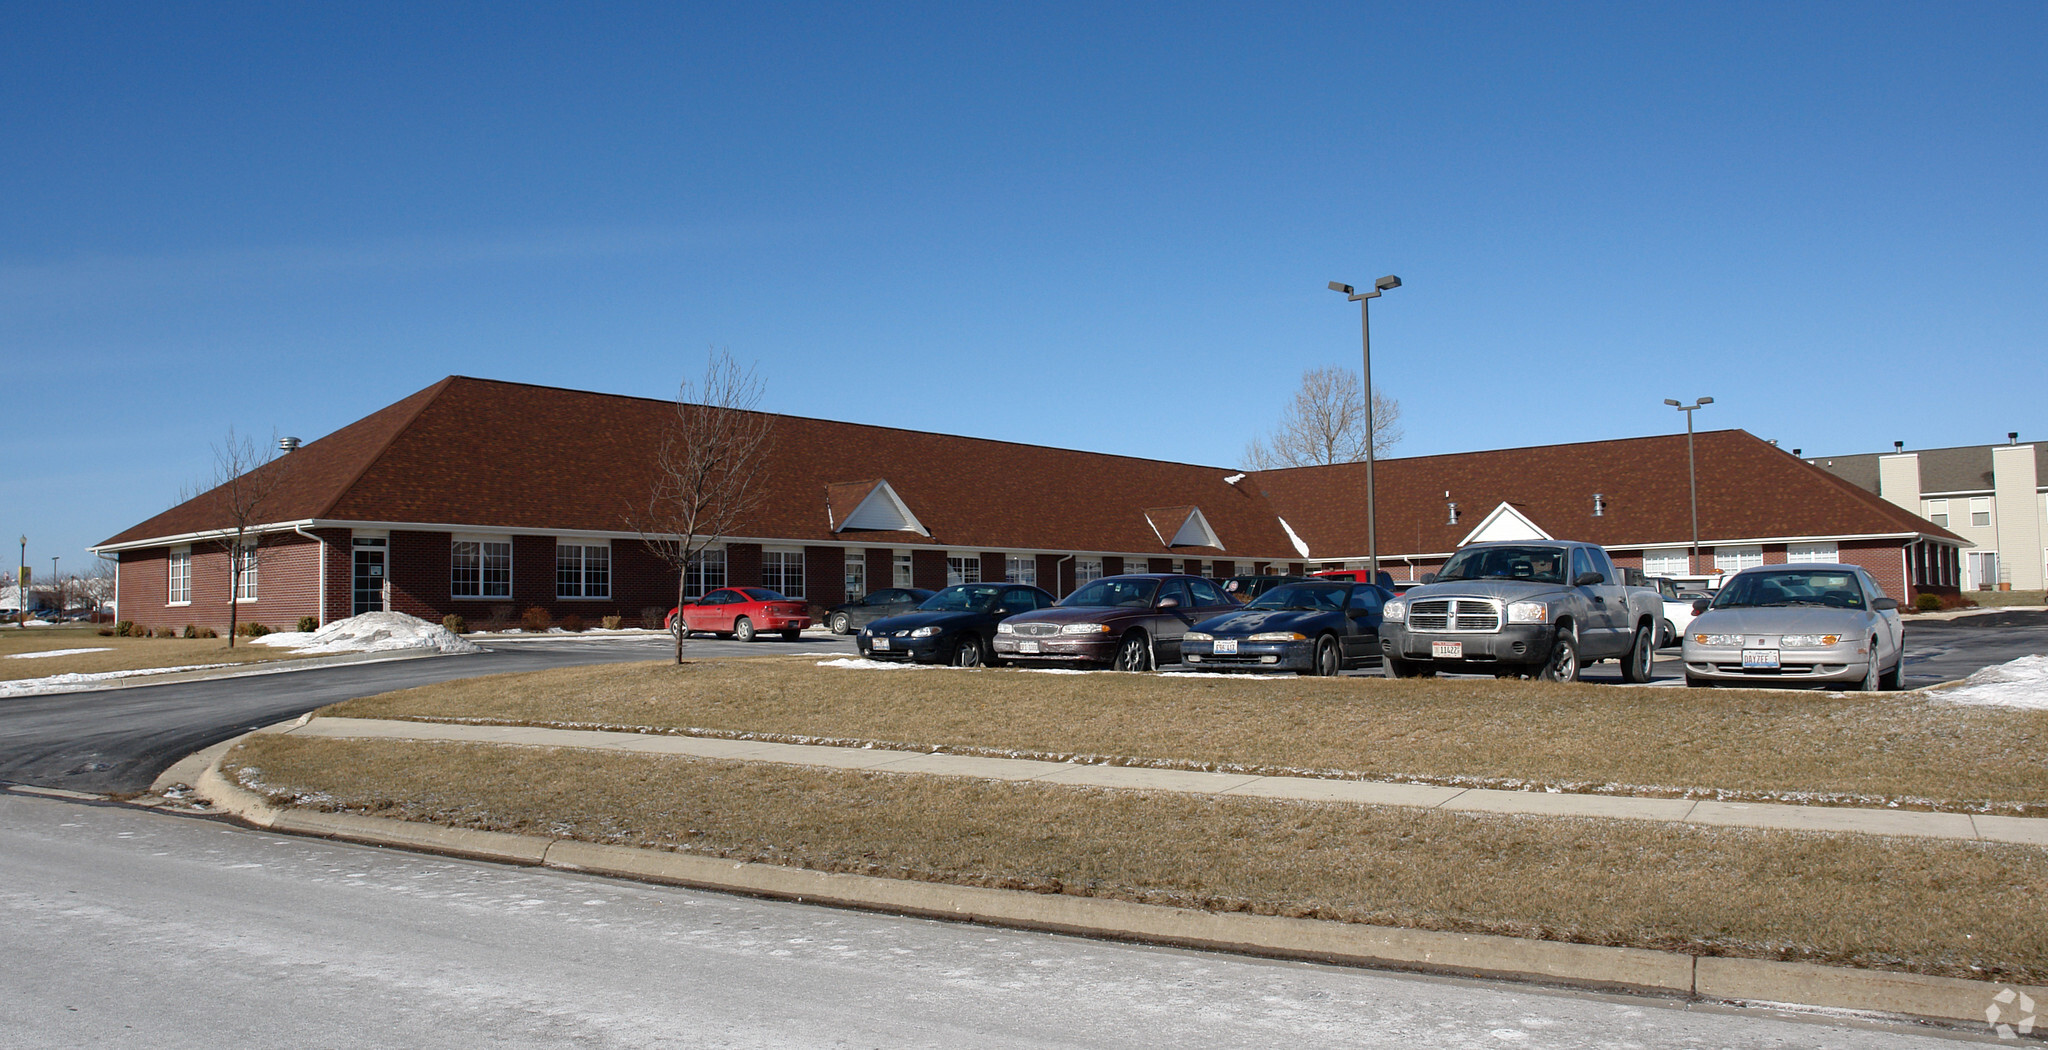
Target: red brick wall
(287,586)
(1050,571)
(1885,561)
(1225,569)
(418,564)
(928,568)
(993,567)
(881,568)
(743,565)
(1774,554)
(824,578)
(1158,565)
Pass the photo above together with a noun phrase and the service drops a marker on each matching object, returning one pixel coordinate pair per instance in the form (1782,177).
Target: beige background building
(1990,495)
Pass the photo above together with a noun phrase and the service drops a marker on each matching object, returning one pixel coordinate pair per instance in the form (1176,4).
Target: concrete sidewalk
(2022,830)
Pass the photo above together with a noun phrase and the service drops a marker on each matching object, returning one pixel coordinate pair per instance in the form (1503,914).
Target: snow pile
(872,665)
(58,652)
(2020,683)
(375,632)
(58,683)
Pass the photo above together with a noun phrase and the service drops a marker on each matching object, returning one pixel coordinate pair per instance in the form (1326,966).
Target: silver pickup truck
(1543,608)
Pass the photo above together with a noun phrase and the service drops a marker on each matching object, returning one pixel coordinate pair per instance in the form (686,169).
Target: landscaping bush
(1957,601)
(252,629)
(499,619)
(206,632)
(1927,602)
(651,616)
(573,624)
(455,623)
(536,618)
(124,628)
(613,622)
(308,625)
(190,631)
(106,632)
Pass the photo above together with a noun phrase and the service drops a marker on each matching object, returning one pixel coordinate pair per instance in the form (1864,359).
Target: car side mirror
(1699,605)
(1429,577)
(1884,604)
(1588,579)
(1169,602)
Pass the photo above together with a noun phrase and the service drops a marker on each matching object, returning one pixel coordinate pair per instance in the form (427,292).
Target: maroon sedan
(742,613)
(1131,623)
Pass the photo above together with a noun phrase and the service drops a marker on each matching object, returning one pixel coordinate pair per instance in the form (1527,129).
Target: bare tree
(96,586)
(709,472)
(1326,424)
(241,490)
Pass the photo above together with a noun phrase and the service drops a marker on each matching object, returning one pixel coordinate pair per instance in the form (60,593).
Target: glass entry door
(370,591)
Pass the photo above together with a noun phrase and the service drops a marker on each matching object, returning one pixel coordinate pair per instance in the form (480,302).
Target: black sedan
(858,613)
(1319,627)
(955,626)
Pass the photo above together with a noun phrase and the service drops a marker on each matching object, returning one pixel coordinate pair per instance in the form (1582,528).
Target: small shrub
(536,618)
(208,632)
(124,628)
(106,632)
(252,629)
(1957,601)
(651,617)
(613,622)
(455,623)
(573,624)
(1927,602)
(308,625)
(499,619)
(190,631)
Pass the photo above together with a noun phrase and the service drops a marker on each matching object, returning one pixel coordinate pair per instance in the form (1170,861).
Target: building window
(1937,512)
(181,578)
(1980,512)
(706,572)
(1087,570)
(963,569)
(903,576)
(1665,561)
(856,575)
(783,572)
(583,571)
(1810,552)
(480,569)
(245,573)
(1020,569)
(1736,559)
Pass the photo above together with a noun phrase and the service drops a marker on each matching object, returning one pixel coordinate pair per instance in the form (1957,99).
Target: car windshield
(1832,589)
(1536,564)
(762,594)
(966,597)
(1130,592)
(1310,596)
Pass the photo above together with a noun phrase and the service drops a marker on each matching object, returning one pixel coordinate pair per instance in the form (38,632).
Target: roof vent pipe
(288,444)
(1898,446)
(1797,451)
(1454,512)
(1599,505)
(2012,437)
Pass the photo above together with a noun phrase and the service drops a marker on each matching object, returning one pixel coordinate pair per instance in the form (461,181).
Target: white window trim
(802,571)
(170,588)
(511,569)
(704,587)
(965,559)
(253,572)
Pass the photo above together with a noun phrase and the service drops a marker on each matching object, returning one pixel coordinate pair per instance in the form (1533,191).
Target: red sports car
(741,612)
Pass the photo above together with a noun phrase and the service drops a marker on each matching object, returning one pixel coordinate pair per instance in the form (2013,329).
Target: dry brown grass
(1957,909)
(1860,749)
(126,654)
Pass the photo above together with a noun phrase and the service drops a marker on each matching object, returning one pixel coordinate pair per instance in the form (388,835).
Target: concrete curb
(1676,974)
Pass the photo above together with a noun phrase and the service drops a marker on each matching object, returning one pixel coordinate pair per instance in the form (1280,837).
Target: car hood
(1256,621)
(943,620)
(1781,619)
(1506,590)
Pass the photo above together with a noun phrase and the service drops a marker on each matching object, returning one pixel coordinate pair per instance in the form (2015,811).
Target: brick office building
(487,498)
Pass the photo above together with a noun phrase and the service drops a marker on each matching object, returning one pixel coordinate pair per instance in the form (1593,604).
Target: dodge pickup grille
(1475,615)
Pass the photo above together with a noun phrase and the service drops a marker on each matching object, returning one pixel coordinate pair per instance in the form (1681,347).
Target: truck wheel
(1563,665)
(1635,667)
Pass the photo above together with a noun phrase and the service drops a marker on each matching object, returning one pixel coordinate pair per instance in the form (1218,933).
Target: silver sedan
(1797,624)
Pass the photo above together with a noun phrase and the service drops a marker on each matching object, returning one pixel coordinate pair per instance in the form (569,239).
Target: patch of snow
(36,685)
(874,665)
(1294,539)
(39,623)
(60,652)
(375,632)
(2018,683)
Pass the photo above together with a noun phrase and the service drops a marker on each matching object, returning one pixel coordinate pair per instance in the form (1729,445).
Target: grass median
(1954,909)
(23,654)
(1907,750)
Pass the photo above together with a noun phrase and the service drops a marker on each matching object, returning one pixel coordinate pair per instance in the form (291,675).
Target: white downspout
(1064,558)
(320,607)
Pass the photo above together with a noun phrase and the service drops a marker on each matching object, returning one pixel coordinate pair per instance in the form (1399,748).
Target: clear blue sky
(1108,231)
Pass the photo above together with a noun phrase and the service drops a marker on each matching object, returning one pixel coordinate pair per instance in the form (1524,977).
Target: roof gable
(1187,526)
(876,508)
(1506,523)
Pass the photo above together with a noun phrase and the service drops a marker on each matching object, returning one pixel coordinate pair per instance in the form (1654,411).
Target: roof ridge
(1868,498)
(434,392)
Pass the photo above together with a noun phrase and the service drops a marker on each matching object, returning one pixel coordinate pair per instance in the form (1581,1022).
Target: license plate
(1447,650)
(1767,658)
(1027,647)
(879,643)
(1226,646)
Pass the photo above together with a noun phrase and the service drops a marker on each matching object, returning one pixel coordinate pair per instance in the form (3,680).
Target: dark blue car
(955,626)
(1317,627)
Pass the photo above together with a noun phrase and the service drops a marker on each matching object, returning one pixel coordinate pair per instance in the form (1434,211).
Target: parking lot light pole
(1372,544)
(1692,481)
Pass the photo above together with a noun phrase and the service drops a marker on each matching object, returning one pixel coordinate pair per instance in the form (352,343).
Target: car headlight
(1085,628)
(924,632)
(1808,641)
(1004,628)
(1717,639)
(1528,612)
(1396,611)
(1197,636)
(1278,636)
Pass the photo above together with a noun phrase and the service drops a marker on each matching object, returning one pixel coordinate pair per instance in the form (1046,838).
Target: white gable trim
(882,510)
(1506,523)
(1194,531)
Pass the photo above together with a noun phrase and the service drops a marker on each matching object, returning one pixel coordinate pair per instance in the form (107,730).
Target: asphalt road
(136,929)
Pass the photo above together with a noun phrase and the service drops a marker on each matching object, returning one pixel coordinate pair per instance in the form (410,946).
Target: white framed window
(1087,570)
(1736,559)
(1020,568)
(1980,512)
(963,568)
(902,566)
(583,570)
(180,591)
(856,574)
(1811,552)
(783,572)
(706,572)
(480,569)
(1179,566)
(1937,512)
(1208,570)
(1665,561)
(245,573)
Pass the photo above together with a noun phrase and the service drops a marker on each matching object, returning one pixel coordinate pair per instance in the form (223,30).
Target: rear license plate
(1765,658)
(1226,646)
(1447,650)
(1027,647)
(879,643)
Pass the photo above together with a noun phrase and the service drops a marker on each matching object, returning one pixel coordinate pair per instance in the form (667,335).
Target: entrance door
(1983,570)
(369,577)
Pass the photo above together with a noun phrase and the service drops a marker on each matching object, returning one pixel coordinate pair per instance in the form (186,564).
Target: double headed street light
(1372,544)
(1692,475)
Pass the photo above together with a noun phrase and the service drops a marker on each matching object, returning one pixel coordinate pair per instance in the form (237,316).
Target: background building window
(181,578)
(1665,561)
(583,571)
(963,569)
(903,576)
(1980,512)
(1020,569)
(1736,559)
(1937,512)
(480,569)
(706,572)
(1087,570)
(1808,552)
(856,574)
(783,572)
(245,574)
